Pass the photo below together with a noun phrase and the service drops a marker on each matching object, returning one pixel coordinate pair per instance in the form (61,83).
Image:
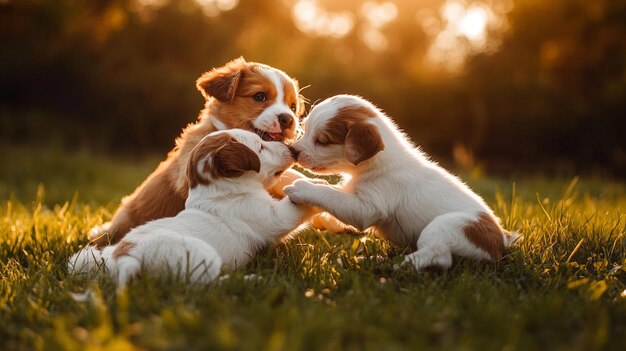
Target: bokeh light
(314,20)
(462,29)
(377,15)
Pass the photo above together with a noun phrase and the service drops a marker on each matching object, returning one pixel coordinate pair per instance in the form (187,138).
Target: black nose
(285,120)
(294,153)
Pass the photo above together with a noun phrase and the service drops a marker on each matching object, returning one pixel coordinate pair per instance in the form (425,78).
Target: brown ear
(362,142)
(234,159)
(194,176)
(221,83)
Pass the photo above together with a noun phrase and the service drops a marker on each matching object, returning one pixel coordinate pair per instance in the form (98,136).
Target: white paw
(318,181)
(97,231)
(300,192)
(409,261)
(425,258)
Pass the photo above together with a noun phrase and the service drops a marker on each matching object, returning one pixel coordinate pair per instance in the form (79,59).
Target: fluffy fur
(241,94)
(395,188)
(228,214)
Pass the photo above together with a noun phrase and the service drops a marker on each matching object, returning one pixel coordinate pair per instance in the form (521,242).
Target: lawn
(562,287)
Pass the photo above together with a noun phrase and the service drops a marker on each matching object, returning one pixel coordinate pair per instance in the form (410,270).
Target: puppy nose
(285,120)
(294,153)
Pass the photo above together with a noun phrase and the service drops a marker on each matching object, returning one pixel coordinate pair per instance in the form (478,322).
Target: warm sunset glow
(461,29)
(474,24)
(213,8)
(314,20)
(377,16)
(210,8)
(153,3)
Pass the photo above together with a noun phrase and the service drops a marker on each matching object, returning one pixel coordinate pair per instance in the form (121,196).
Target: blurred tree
(547,86)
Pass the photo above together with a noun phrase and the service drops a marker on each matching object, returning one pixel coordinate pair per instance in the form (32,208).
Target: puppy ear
(221,83)
(234,159)
(362,142)
(197,167)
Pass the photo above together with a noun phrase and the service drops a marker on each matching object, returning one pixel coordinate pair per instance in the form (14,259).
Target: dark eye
(293,107)
(260,97)
(320,143)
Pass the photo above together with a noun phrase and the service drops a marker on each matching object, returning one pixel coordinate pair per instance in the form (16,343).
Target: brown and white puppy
(395,189)
(228,215)
(245,95)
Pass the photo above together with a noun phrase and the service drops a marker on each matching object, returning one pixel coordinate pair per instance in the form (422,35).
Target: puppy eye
(320,143)
(260,97)
(293,107)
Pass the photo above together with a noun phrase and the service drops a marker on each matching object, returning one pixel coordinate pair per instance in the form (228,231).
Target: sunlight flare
(474,24)
(314,20)
(462,29)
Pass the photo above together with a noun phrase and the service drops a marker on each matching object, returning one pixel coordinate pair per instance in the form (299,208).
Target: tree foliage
(117,76)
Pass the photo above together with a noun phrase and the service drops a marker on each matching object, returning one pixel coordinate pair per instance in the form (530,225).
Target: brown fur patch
(230,159)
(486,234)
(164,192)
(122,249)
(221,82)
(349,126)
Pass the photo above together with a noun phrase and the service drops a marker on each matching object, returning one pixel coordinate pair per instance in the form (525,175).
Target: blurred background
(502,86)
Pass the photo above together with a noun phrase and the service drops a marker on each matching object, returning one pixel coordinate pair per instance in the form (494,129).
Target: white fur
(224,224)
(268,119)
(408,199)
(219,125)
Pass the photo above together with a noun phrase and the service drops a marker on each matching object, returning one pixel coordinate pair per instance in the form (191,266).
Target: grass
(563,287)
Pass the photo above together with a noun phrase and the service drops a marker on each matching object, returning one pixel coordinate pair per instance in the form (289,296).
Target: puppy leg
(444,236)
(126,267)
(113,231)
(287,217)
(286,178)
(347,207)
(320,221)
(325,221)
(190,257)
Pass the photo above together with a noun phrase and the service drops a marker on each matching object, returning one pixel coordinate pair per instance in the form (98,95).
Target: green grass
(563,287)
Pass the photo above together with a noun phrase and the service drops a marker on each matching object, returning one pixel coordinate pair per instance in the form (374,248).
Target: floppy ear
(234,159)
(362,142)
(197,166)
(221,83)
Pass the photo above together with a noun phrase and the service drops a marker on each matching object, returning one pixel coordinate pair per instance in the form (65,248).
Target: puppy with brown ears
(395,189)
(241,94)
(228,215)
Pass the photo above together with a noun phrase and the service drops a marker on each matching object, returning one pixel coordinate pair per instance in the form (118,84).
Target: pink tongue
(275,136)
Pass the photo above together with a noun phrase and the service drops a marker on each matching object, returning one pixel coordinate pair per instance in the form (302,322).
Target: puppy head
(253,96)
(234,155)
(340,134)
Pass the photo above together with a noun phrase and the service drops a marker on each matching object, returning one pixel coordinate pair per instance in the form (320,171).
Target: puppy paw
(98,230)
(426,259)
(325,221)
(300,192)
(318,181)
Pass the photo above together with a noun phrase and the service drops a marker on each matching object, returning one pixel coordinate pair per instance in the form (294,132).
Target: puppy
(395,188)
(228,214)
(241,94)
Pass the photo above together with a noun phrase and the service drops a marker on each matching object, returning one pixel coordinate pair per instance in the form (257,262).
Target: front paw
(318,181)
(300,192)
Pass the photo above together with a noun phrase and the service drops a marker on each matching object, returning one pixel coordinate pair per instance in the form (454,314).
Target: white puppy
(395,188)
(228,214)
